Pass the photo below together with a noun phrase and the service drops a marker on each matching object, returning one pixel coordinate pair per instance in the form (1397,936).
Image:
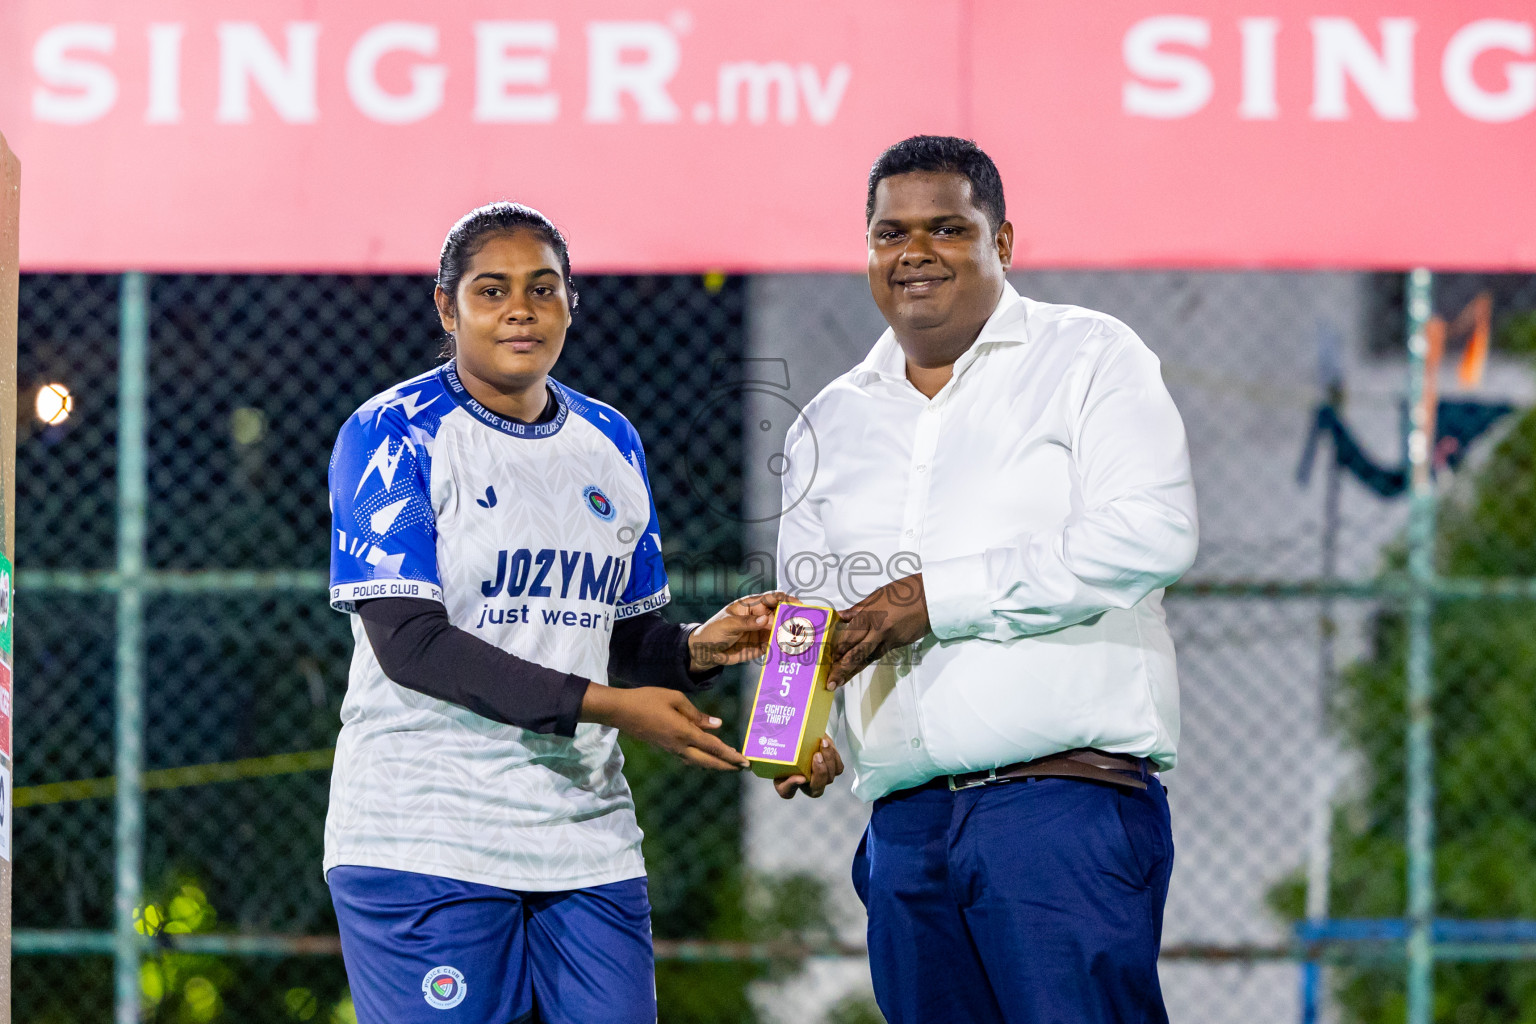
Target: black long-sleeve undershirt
(421,650)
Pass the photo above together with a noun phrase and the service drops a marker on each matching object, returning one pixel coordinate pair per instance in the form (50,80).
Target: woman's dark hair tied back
(477,226)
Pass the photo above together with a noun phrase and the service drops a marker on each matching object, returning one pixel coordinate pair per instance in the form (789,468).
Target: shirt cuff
(955,590)
(568,704)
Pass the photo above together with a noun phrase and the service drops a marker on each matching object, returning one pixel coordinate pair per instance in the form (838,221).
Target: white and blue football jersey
(536,538)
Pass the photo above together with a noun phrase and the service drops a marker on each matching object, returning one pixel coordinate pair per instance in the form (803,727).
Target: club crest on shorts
(443,988)
(598,502)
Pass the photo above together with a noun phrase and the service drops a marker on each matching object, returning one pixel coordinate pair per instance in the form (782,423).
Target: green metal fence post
(1421,573)
(132,486)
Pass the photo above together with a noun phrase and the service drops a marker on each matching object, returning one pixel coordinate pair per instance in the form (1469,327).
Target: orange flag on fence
(1477,318)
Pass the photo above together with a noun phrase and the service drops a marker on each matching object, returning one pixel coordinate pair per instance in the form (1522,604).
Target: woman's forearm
(421,650)
(647,650)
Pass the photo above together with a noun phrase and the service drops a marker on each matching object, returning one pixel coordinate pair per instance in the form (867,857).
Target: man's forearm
(1111,558)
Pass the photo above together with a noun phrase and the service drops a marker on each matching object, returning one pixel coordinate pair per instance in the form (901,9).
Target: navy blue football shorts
(420,948)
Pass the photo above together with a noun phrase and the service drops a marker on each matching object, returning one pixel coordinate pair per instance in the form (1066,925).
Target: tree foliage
(1485,774)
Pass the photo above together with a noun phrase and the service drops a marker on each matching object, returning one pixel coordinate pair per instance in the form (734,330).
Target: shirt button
(908,533)
(916,742)
(922,469)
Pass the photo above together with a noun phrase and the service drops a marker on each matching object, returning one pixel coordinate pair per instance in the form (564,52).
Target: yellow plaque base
(817,710)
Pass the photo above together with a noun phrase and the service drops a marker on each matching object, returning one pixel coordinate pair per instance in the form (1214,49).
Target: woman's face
(510,313)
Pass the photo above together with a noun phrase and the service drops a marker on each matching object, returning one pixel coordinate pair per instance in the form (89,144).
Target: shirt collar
(1008,325)
(517,428)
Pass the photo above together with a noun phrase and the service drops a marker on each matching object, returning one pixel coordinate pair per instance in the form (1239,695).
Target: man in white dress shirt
(998,495)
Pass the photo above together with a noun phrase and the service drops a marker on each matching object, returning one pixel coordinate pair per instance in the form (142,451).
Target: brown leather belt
(1084,763)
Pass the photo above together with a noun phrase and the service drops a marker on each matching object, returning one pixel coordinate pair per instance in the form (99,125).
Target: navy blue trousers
(1032,902)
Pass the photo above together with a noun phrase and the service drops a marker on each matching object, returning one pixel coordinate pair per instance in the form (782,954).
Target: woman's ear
(447,314)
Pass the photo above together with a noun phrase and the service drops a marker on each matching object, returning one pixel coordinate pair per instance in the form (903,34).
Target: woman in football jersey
(496,538)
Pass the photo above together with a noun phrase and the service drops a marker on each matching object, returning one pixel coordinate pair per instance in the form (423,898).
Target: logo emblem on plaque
(796,635)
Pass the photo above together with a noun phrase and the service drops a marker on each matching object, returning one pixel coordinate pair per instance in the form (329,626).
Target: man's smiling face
(935,263)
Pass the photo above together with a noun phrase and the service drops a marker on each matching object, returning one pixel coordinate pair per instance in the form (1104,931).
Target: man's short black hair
(946,155)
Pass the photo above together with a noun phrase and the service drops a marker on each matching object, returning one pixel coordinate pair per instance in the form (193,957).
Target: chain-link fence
(1289,801)
(1296,634)
(248,379)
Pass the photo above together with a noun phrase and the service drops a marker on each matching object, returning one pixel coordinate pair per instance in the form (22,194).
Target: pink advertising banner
(665,135)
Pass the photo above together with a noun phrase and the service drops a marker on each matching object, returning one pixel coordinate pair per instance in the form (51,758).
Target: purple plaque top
(789,673)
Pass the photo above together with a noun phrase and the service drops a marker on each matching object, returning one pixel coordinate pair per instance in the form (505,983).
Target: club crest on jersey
(598,502)
(443,988)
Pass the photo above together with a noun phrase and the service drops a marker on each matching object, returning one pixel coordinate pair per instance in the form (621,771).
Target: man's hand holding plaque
(893,616)
(826,765)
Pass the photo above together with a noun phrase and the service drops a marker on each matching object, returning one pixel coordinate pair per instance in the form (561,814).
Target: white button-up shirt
(1045,495)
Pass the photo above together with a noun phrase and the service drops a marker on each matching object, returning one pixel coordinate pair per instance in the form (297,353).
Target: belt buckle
(973,783)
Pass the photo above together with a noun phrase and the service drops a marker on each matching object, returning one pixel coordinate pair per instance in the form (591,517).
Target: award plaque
(789,713)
